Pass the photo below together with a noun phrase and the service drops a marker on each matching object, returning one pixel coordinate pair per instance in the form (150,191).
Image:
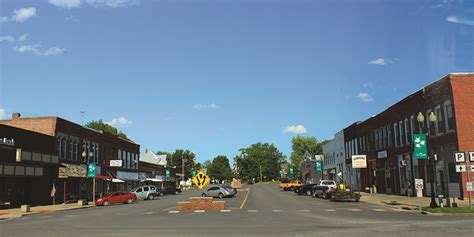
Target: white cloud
(461,20)
(23,14)
(365,97)
(295,129)
(23,37)
(208,106)
(3,113)
(378,61)
(7,38)
(54,51)
(113,3)
(69,4)
(31,48)
(120,122)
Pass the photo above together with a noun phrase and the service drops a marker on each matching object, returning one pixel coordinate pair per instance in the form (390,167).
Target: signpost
(201,179)
(291,172)
(419,190)
(467,167)
(420,146)
(91,174)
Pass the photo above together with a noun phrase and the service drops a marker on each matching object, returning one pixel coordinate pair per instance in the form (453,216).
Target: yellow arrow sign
(201,179)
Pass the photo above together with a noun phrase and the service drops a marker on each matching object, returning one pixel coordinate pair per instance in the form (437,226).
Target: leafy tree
(260,156)
(220,169)
(206,164)
(301,145)
(175,160)
(101,126)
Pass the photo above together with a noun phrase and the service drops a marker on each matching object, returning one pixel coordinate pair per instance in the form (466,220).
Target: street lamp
(432,119)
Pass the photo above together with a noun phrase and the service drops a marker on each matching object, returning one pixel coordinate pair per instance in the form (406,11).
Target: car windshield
(236,118)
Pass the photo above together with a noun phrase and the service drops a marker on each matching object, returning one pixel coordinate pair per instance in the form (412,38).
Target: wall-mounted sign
(419,144)
(7,142)
(359,161)
(115,163)
(459,157)
(471,156)
(319,157)
(382,154)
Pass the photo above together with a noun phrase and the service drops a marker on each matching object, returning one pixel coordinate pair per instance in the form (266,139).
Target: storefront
(130,180)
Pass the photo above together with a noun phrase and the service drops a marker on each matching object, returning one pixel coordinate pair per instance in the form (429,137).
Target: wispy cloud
(3,113)
(205,106)
(113,3)
(295,129)
(120,122)
(54,51)
(3,19)
(381,61)
(23,37)
(68,4)
(461,20)
(365,97)
(36,49)
(7,38)
(23,14)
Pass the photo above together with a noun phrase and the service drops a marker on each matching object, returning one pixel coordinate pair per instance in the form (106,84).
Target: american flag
(53,191)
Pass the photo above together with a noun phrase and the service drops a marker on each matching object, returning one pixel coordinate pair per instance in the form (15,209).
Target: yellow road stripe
(245,200)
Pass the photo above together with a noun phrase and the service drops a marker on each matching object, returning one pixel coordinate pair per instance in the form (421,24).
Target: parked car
(219,191)
(169,189)
(290,185)
(230,187)
(116,197)
(305,189)
(148,192)
(324,188)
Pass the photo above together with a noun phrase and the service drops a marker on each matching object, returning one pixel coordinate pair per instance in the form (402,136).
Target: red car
(116,197)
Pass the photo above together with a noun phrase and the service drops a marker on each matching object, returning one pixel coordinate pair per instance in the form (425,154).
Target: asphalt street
(262,211)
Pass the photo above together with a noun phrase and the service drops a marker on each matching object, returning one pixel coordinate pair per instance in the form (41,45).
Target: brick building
(387,139)
(28,167)
(76,145)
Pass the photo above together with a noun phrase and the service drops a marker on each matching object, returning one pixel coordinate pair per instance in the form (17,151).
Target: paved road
(267,211)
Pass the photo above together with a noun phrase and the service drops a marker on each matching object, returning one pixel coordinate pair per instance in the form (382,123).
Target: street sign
(115,163)
(168,173)
(319,166)
(319,157)
(291,171)
(471,156)
(469,186)
(420,150)
(194,173)
(359,161)
(91,170)
(459,157)
(460,168)
(201,179)
(472,168)
(419,184)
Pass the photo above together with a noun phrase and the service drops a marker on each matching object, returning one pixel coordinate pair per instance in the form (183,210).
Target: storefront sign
(382,154)
(359,161)
(7,142)
(115,163)
(91,170)
(420,146)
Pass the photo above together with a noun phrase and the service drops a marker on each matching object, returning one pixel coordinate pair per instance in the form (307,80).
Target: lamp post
(432,119)
(84,155)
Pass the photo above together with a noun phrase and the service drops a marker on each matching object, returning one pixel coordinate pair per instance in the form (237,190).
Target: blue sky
(215,76)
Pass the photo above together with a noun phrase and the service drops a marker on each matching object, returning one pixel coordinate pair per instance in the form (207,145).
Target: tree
(301,145)
(220,169)
(258,157)
(175,160)
(101,126)
(206,164)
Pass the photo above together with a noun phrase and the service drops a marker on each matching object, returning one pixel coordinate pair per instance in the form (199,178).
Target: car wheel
(308,193)
(203,195)
(106,203)
(129,201)
(221,195)
(151,197)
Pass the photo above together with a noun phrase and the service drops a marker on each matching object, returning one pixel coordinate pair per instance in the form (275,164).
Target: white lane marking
(304,210)
(354,209)
(226,210)
(252,211)
(173,212)
(199,211)
(379,209)
(330,210)
(277,210)
(148,213)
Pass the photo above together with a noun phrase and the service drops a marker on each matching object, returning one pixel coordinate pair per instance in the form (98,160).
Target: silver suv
(147,192)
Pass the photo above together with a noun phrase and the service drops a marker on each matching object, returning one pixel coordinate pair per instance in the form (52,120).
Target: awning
(333,171)
(117,181)
(161,178)
(70,170)
(127,176)
(153,180)
(143,176)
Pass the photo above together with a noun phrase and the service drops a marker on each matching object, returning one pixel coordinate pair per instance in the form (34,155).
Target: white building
(334,157)
(152,158)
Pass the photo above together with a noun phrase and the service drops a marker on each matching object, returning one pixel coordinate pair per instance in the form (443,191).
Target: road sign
(115,163)
(469,186)
(91,170)
(359,161)
(291,171)
(194,173)
(460,168)
(472,168)
(319,166)
(471,156)
(459,156)
(420,146)
(419,184)
(168,173)
(201,179)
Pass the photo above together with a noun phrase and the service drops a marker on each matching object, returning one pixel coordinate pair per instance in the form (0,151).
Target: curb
(36,213)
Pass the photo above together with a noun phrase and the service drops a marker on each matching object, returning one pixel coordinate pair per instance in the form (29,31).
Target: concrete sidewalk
(404,202)
(16,212)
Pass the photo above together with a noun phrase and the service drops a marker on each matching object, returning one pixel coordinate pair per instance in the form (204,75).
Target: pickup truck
(290,185)
(324,188)
(306,189)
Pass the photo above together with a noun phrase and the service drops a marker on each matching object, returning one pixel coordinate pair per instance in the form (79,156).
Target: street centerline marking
(304,210)
(277,210)
(354,209)
(148,213)
(173,212)
(330,210)
(199,211)
(252,211)
(226,210)
(245,200)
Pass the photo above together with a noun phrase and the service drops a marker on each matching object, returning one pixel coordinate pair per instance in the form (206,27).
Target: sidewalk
(16,212)
(403,202)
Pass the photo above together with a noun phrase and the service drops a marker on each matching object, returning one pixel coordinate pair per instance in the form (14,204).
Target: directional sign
(319,166)
(291,171)
(419,183)
(91,170)
(459,157)
(201,179)
(469,186)
(168,173)
(419,144)
(471,156)
(460,168)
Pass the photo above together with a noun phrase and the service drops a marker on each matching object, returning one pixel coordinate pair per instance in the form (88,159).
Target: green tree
(260,156)
(101,126)
(301,145)
(175,160)
(206,164)
(220,169)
